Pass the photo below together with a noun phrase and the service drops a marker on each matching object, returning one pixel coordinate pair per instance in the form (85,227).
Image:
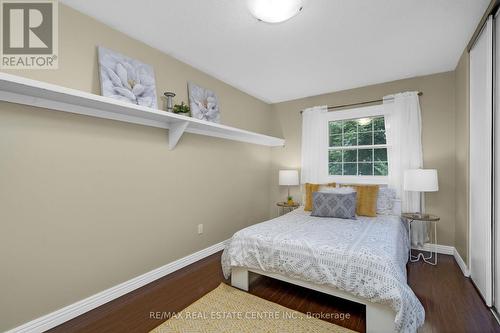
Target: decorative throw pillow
(339,205)
(366,199)
(385,201)
(341,190)
(310,189)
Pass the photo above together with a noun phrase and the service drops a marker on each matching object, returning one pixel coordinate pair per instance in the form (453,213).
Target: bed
(362,260)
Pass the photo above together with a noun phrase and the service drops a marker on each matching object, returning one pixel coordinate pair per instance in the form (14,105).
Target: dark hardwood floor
(450,300)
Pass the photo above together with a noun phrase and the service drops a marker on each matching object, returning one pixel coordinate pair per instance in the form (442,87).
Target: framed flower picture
(203,103)
(126,79)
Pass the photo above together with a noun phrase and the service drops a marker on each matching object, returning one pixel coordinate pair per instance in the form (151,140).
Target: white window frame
(362,112)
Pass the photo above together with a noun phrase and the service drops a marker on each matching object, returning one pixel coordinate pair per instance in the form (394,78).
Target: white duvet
(365,257)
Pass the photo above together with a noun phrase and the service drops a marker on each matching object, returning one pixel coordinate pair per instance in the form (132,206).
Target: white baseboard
(442,249)
(461,263)
(449,250)
(76,309)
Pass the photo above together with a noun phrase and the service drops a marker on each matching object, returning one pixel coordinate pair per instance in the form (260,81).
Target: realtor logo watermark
(29,34)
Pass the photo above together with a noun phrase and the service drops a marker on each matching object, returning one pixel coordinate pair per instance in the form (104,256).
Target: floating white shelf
(16,89)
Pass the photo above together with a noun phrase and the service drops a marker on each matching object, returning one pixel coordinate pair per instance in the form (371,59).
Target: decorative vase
(170,100)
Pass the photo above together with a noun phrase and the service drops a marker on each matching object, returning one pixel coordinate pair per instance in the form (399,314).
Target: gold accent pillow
(366,199)
(310,188)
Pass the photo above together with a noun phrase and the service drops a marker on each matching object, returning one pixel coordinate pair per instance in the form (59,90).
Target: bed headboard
(396,207)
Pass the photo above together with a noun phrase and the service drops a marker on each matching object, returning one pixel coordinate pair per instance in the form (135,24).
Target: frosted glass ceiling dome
(275,11)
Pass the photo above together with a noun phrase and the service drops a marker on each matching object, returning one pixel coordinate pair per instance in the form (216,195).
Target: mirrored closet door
(496,165)
(484,162)
(481,187)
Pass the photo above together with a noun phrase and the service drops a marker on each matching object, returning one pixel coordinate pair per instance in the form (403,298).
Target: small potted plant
(290,200)
(182,109)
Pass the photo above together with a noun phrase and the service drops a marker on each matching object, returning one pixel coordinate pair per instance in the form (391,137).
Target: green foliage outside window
(357,147)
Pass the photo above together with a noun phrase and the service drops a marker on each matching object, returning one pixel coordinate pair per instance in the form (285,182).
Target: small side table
(284,206)
(428,218)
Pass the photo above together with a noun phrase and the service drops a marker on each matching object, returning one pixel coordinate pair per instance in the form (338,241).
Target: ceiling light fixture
(274,11)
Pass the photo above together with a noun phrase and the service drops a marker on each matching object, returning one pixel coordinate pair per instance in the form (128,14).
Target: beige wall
(462,155)
(438,120)
(87,203)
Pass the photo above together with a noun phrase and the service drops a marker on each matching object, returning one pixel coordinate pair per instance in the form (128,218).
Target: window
(357,147)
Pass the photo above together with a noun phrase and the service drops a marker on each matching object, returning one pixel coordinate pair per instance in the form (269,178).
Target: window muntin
(357,147)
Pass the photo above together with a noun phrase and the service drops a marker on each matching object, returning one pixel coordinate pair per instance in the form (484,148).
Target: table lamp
(288,178)
(421,180)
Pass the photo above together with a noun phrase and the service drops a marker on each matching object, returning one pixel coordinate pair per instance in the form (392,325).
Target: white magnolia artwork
(203,103)
(126,79)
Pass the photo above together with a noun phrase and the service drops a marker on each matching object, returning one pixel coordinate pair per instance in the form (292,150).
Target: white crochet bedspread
(365,257)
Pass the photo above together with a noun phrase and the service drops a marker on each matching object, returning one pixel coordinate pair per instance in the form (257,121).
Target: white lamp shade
(289,177)
(421,180)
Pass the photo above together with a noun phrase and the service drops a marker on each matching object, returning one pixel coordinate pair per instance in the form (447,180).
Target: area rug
(226,309)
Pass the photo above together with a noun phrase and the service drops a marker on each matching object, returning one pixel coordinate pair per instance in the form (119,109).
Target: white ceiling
(331,45)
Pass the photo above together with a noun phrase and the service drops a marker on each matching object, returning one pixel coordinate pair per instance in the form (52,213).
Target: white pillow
(385,200)
(340,190)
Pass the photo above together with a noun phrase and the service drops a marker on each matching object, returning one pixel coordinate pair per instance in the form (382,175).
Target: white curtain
(404,137)
(314,145)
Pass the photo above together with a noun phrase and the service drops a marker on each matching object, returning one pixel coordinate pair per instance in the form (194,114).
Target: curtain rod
(361,103)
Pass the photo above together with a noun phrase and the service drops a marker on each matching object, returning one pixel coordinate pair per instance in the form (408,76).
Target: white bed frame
(379,317)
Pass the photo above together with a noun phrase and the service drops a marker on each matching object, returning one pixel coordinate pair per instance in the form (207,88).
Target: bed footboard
(379,317)
(239,278)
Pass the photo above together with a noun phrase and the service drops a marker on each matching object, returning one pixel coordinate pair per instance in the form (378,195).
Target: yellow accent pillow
(310,188)
(366,199)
